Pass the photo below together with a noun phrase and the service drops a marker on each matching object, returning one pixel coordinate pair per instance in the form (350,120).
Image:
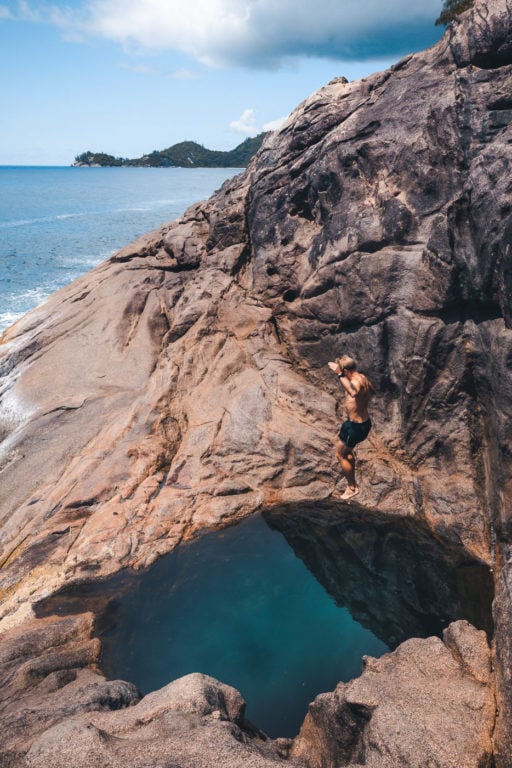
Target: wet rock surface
(183,385)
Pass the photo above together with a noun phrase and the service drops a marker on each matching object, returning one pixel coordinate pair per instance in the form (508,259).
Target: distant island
(186,154)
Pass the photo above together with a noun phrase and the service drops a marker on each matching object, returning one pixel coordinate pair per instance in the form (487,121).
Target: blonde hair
(346,362)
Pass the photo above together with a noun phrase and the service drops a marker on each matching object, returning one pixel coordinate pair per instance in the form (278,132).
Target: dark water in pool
(240,606)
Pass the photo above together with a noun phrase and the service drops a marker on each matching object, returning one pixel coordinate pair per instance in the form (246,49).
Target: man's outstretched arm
(352,388)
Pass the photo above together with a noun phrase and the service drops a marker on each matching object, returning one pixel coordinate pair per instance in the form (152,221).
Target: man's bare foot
(349,494)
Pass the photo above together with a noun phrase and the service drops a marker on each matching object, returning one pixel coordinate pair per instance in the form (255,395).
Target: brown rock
(47,674)
(183,384)
(191,723)
(419,706)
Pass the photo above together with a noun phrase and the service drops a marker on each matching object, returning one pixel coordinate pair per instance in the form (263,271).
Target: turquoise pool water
(240,606)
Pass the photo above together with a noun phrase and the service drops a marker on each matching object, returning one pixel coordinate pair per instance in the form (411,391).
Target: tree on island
(453,8)
(98,158)
(186,154)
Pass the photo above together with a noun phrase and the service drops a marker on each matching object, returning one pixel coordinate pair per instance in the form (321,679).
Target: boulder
(427,704)
(191,723)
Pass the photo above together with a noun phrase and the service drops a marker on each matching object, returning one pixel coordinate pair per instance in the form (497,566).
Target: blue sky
(129,76)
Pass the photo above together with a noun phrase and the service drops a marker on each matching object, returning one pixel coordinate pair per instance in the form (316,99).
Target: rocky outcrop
(183,384)
(428,700)
(429,703)
(194,722)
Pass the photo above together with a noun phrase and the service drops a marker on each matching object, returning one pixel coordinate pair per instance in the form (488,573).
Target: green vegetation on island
(453,8)
(186,154)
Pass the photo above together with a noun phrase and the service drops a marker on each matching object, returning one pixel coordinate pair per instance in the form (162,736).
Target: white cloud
(29,12)
(257,32)
(274,125)
(5,12)
(182,74)
(246,123)
(139,69)
(144,69)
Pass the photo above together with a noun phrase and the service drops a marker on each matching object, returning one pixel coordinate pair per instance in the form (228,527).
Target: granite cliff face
(183,385)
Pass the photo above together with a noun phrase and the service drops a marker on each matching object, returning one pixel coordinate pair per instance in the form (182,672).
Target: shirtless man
(358,391)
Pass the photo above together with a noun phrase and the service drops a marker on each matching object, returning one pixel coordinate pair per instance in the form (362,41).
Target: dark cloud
(259,33)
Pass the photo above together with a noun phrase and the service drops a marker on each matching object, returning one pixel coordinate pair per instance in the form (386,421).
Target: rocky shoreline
(182,386)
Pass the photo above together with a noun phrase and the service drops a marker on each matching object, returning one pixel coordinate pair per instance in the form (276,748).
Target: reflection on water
(266,612)
(394,576)
(240,606)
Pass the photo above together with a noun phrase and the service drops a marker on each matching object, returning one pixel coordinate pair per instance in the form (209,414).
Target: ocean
(57,223)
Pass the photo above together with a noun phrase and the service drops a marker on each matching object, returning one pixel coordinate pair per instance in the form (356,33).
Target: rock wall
(395,578)
(182,385)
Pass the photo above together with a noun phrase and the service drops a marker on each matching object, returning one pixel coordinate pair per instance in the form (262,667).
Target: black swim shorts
(353,432)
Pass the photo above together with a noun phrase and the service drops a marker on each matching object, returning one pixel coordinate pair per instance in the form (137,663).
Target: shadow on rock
(392,575)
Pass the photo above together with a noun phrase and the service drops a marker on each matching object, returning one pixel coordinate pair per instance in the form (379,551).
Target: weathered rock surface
(195,722)
(427,704)
(183,384)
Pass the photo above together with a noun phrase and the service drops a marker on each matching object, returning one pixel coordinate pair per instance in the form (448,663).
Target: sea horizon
(55,226)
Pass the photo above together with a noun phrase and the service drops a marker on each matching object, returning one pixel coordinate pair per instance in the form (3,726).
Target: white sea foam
(141,208)
(8,318)
(38,294)
(42,219)
(14,414)
(89,260)
(25,301)
(75,215)
(21,302)
(12,411)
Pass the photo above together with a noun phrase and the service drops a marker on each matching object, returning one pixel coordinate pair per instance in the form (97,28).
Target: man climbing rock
(358,391)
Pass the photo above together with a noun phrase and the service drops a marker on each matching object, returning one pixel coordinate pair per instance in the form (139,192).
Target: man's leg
(347,462)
